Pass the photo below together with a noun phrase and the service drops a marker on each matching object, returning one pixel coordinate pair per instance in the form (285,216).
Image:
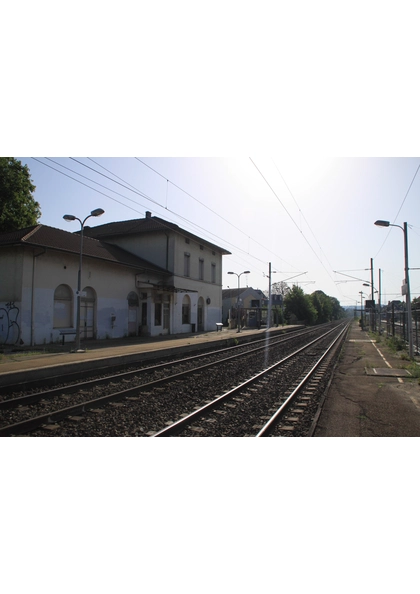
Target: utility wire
(301,213)
(143,206)
(101,185)
(113,174)
(115,182)
(86,185)
(193,197)
(214,212)
(399,210)
(292,219)
(190,195)
(166,208)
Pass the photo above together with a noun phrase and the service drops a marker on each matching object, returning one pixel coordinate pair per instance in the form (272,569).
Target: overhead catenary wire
(142,194)
(399,210)
(302,214)
(292,219)
(143,206)
(214,212)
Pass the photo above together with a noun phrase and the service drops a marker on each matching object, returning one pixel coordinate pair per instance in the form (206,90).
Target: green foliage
(328,308)
(278,317)
(317,308)
(413,369)
(395,344)
(280,288)
(323,306)
(18,208)
(299,307)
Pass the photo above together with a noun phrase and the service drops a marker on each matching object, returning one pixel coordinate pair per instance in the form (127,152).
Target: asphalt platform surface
(19,365)
(371,394)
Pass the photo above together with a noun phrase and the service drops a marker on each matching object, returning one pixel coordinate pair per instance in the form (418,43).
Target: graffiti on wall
(9,325)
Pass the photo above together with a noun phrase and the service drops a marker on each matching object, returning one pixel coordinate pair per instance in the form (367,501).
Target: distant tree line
(317,308)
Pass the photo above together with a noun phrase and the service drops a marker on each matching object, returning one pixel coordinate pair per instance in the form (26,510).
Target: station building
(143,277)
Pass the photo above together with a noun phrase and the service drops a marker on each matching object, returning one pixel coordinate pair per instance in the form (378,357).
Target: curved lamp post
(238,322)
(372,322)
(67,217)
(406,287)
(361,307)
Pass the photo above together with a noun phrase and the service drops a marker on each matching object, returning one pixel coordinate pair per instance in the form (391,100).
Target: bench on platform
(219,326)
(65,333)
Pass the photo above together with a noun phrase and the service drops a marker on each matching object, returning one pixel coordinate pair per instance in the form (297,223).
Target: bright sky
(312,218)
(301,79)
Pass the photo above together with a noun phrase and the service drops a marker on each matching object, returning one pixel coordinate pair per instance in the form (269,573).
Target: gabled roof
(234,293)
(57,239)
(141,226)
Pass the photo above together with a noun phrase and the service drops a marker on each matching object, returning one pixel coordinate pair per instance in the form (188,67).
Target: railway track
(141,399)
(244,410)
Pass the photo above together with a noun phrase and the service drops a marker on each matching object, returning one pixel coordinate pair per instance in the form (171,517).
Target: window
(158,314)
(63,307)
(213,273)
(186,264)
(201,269)
(186,310)
(144,313)
(133,300)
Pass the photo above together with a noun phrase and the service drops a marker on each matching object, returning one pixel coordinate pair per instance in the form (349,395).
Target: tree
(323,306)
(328,308)
(18,208)
(280,288)
(299,306)
(338,312)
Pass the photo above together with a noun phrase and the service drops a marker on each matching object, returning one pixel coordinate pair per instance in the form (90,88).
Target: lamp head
(97,212)
(382,223)
(246,272)
(68,217)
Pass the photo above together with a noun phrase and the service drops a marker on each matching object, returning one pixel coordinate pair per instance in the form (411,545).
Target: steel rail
(179,425)
(280,335)
(34,422)
(9,403)
(277,415)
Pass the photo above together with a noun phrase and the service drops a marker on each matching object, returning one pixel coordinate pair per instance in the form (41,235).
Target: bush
(395,344)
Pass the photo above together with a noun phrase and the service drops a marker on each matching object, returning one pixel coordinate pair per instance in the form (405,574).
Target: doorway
(133,308)
(87,313)
(200,315)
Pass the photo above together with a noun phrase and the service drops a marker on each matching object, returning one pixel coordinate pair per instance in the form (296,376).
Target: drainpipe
(33,295)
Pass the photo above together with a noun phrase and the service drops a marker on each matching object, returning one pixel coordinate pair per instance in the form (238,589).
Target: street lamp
(406,286)
(361,308)
(372,310)
(238,322)
(69,218)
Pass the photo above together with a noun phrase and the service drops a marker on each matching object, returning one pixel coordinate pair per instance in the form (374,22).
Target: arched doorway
(200,315)
(87,313)
(63,307)
(186,310)
(133,309)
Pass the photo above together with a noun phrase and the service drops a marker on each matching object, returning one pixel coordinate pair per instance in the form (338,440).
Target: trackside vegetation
(317,308)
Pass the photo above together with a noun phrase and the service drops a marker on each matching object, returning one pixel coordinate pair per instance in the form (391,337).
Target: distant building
(249,299)
(140,277)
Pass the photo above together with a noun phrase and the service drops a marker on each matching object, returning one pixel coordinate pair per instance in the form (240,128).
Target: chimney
(148,214)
